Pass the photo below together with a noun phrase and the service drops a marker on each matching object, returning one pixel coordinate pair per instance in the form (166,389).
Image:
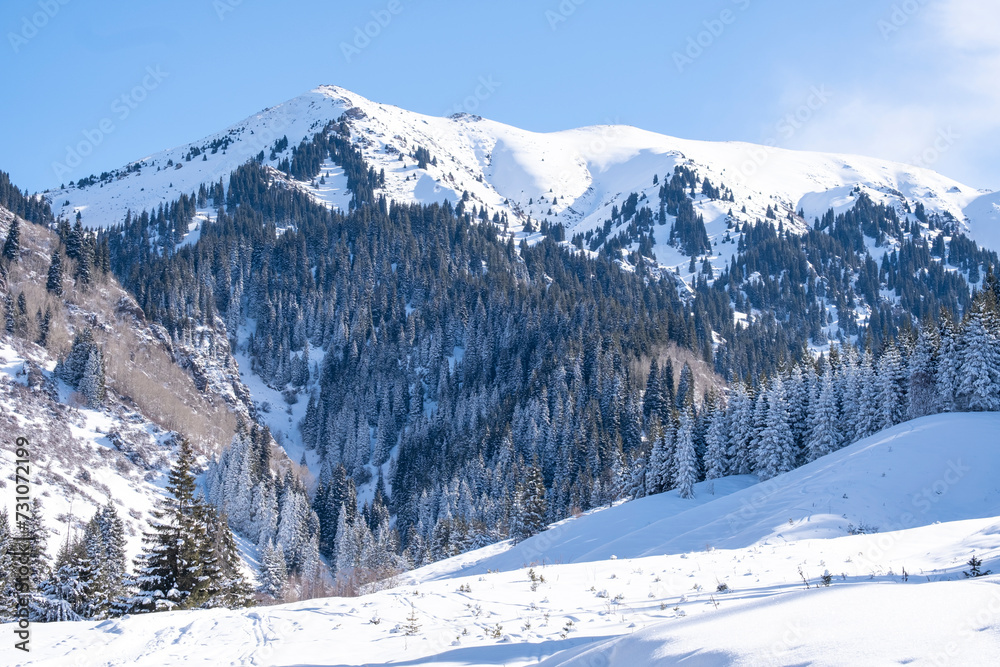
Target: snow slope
(901,478)
(640,589)
(578,175)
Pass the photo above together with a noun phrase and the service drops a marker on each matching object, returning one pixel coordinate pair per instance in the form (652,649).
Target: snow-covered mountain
(855,558)
(574,177)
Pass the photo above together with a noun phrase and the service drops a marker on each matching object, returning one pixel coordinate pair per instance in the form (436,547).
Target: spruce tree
(530,509)
(948,371)
(979,359)
(776,448)
(92,383)
(169,571)
(8,590)
(716,463)
(12,246)
(740,454)
(652,396)
(54,281)
(922,395)
(686,459)
(892,386)
(823,424)
(231,587)
(273,571)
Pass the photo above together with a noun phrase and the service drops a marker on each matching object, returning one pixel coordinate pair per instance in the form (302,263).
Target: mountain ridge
(572,177)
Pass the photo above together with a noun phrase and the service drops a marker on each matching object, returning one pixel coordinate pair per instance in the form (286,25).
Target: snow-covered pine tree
(169,570)
(892,386)
(103,546)
(849,381)
(92,384)
(979,357)
(824,437)
(8,591)
(657,457)
(651,401)
(867,410)
(63,595)
(273,571)
(948,364)
(686,473)
(797,388)
(716,463)
(776,448)
(231,587)
(685,387)
(922,395)
(741,431)
(533,502)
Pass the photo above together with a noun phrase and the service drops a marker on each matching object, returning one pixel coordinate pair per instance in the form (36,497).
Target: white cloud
(939,75)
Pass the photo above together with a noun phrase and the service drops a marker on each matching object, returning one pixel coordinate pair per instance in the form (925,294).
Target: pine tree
(948,365)
(685,387)
(923,395)
(651,403)
(75,238)
(169,572)
(716,462)
(776,448)
(8,590)
(686,460)
(740,455)
(10,314)
(232,589)
(823,432)
(63,596)
(55,276)
(273,571)
(44,327)
(979,359)
(12,246)
(91,384)
(106,546)
(892,385)
(532,505)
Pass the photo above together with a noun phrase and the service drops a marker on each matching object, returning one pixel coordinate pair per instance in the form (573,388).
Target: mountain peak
(576,178)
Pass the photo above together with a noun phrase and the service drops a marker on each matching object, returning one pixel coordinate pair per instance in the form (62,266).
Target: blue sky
(911,80)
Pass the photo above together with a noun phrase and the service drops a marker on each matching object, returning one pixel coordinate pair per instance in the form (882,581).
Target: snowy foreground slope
(574,177)
(640,583)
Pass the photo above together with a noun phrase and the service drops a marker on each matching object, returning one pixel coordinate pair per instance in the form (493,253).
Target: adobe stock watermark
(786,128)
(121,108)
(223,7)
(31,25)
(562,13)
(698,44)
(363,35)
(487,85)
(900,14)
(943,142)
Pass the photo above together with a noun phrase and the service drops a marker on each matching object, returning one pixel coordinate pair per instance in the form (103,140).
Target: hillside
(118,448)
(895,595)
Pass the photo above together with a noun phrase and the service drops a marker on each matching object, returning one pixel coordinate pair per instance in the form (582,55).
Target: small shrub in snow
(412,625)
(861,529)
(975,568)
